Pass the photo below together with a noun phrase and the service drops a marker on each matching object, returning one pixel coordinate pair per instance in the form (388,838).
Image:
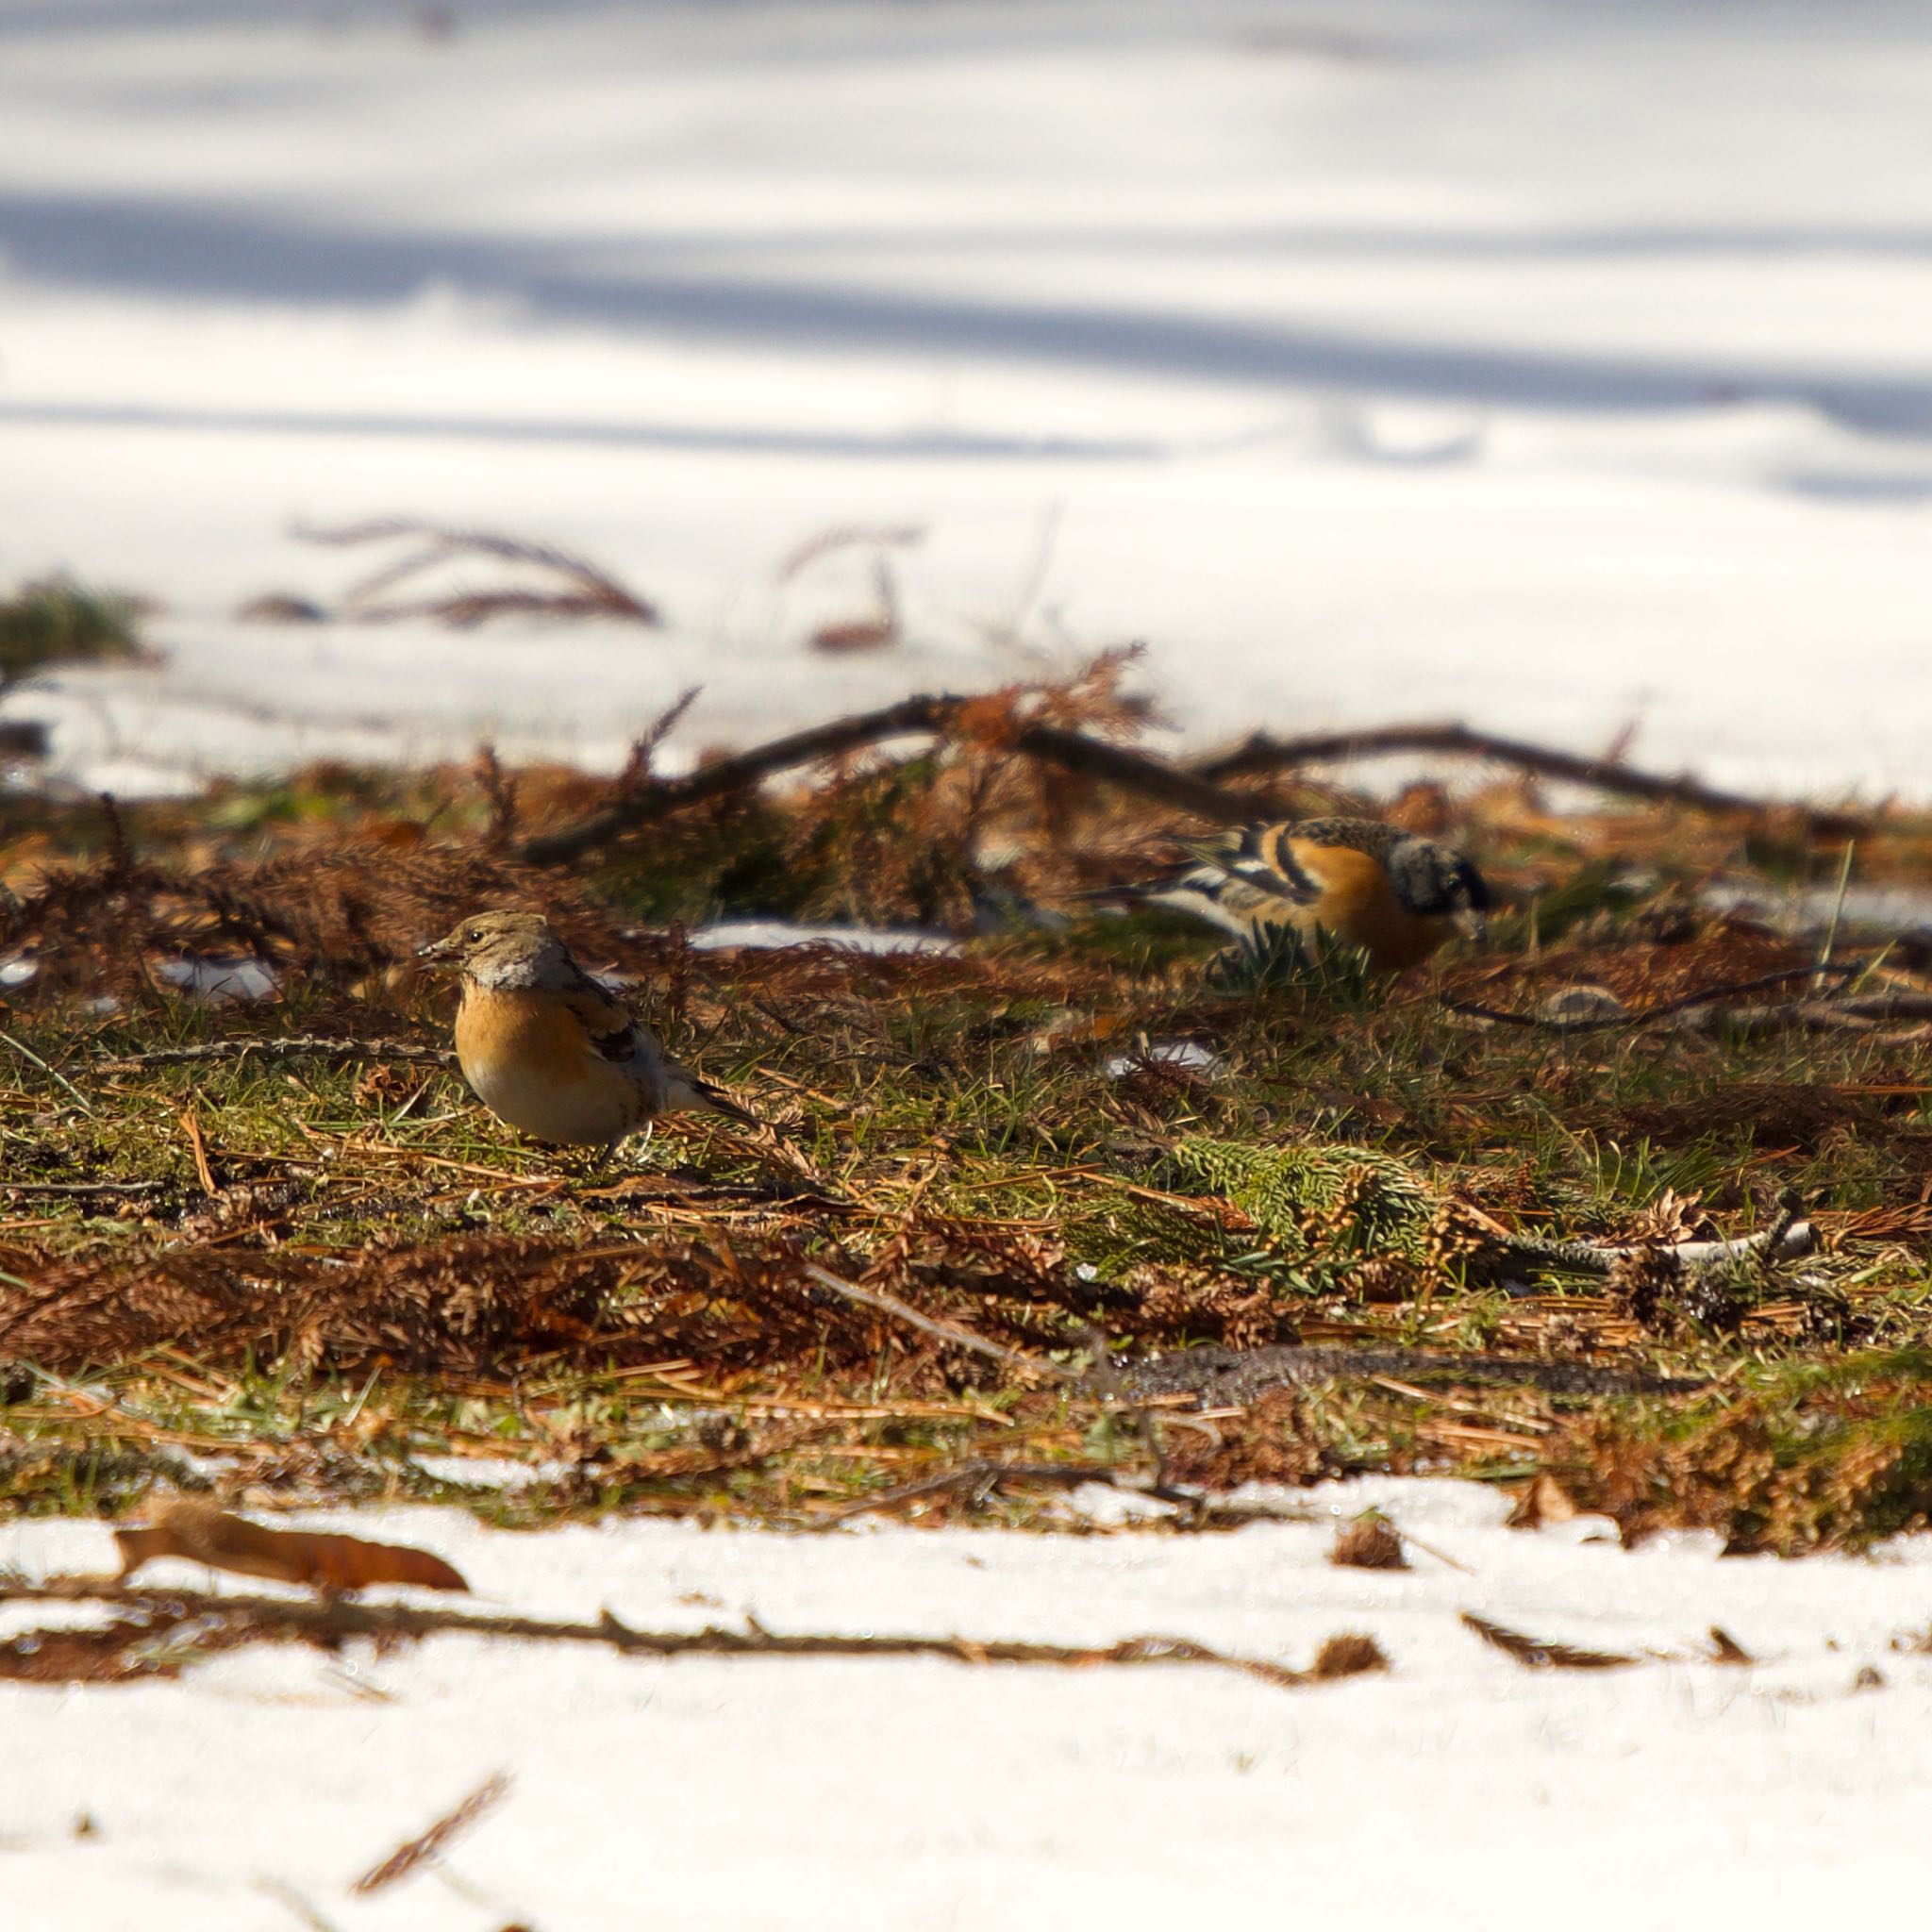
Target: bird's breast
(532,1064)
(1357,903)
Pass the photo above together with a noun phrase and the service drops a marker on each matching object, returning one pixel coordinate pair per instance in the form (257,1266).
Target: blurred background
(1563,368)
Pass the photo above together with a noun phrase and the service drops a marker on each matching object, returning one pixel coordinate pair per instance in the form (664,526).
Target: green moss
(1379,1204)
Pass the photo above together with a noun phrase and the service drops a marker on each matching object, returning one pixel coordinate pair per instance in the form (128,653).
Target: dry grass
(542,580)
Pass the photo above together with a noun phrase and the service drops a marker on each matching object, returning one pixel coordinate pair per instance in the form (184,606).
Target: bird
(548,1050)
(1395,894)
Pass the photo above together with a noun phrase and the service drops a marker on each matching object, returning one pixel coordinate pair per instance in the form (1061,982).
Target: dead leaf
(861,633)
(1370,1542)
(1544,1501)
(204,1534)
(1348,1654)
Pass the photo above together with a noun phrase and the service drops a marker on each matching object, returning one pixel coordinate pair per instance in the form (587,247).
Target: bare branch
(1262,754)
(738,772)
(923,716)
(1235,1378)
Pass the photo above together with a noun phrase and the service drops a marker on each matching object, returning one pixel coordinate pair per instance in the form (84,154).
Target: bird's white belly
(594,1109)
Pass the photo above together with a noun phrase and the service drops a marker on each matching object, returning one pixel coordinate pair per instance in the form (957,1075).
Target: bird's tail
(1196,884)
(684,1092)
(1207,892)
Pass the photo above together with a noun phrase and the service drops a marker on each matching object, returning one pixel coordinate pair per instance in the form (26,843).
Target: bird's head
(1439,881)
(501,948)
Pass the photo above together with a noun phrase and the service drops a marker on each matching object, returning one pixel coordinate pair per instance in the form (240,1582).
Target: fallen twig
(1887,1005)
(431,1844)
(1198,789)
(1134,771)
(1535,1653)
(1788,1237)
(949,1332)
(82,1187)
(1600,1023)
(299,1046)
(983,1475)
(660,797)
(329,1623)
(1817,1016)
(1236,1377)
(1262,754)
(27,1053)
(1538,1654)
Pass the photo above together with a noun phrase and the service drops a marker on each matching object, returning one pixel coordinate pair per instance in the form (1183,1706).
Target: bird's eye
(474,935)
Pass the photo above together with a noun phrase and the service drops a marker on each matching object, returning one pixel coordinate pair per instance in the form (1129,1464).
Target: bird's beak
(1473,925)
(438,952)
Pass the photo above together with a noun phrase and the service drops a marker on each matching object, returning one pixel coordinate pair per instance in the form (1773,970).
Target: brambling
(1395,895)
(549,1050)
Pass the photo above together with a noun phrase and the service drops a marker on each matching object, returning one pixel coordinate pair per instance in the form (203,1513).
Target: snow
(1553,365)
(1185,1056)
(742,1794)
(489,1472)
(778,935)
(226,980)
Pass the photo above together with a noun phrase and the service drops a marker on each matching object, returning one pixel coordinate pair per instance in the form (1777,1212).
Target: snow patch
(726,935)
(490,1472)
(1170,1794)
(222,980)
(1188,1056)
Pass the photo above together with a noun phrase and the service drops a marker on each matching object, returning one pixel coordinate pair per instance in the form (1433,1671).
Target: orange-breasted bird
(549,1050)
(1392,894)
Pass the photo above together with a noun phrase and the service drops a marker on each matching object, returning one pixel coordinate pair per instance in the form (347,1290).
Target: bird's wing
(612,1032)
(1261,858)
(1376,837)
(616,1036)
